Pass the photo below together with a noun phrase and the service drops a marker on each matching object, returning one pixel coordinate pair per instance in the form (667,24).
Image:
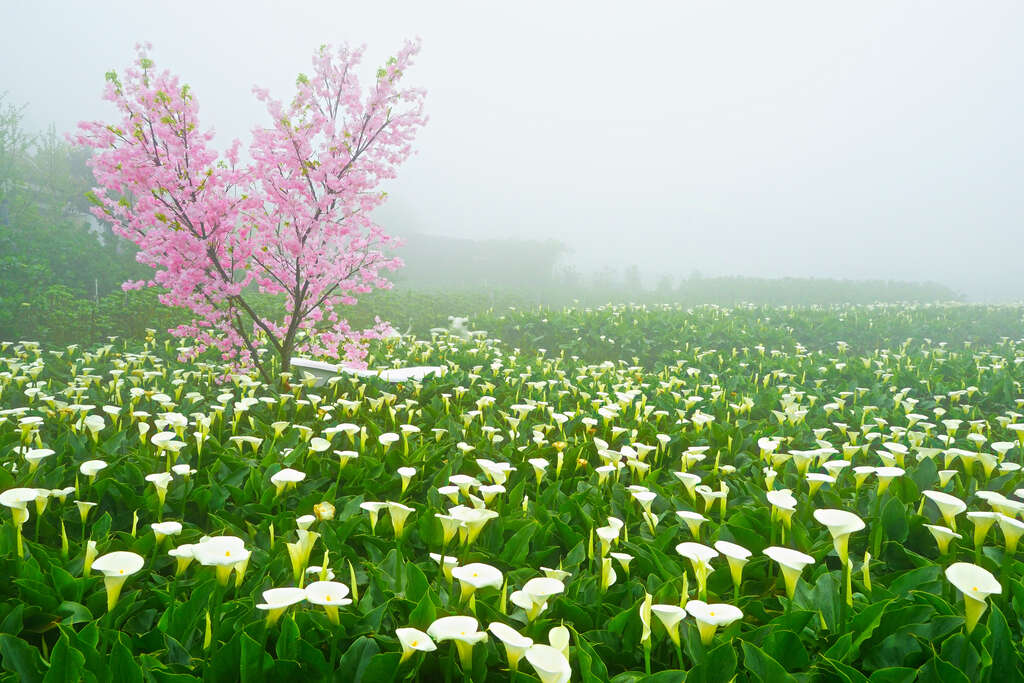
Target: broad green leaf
(21,658)
(937,670)
(287,646)
(123,667)
(763,666)
(1005,657)
(895,674)
(66,663)
(357,658)
(591,668)
(894,520)
(719,666)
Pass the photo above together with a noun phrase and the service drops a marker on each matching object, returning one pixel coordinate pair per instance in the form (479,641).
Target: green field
(584,445)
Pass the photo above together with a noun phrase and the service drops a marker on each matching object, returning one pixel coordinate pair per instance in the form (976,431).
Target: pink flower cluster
(293,220)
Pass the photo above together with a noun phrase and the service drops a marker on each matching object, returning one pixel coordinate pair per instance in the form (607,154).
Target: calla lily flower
(224,553)
(670,616)
(1012,529)
(299,552)
(164,529)
(976,584)
(700,557)
(607,535)
(473,520)
(463,631)
(160,481)
(406,473)
(549,663)
(330,595)
(17,501)
(840,524)
(515,643)
(277,600)
(783,505)
(886,475)
(792,563)
(949,506)
(399,513)
(559,574)
(116,568)
(84,507)
(623,559)
(286,478)
(448,563)
(558,638)
(477,575)
(983,521)
(693,521)
(535,593)
(344,457)
(323,511)
(645,622)
(90,556)
(710,617)
(184,555)
(737,556)
(413,640)
(34,456)
(943,536)
(374,509)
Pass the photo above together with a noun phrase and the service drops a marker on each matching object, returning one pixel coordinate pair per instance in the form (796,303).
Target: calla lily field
(625,493)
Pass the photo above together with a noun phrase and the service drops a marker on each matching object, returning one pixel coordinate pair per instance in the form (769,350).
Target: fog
(854,140)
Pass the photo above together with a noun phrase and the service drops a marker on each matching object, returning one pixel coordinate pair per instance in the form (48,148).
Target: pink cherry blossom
(293,220)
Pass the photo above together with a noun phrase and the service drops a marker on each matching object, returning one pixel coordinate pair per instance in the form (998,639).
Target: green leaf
(357,658)
(667,676)
(77,613)
(923,579)
(424,614)
(288,639)
(255,663)
(840,649)
(1005,661)
(763,666)
(845,672)
(865,623)
(21,658)
(66,663)
(518,547)
(893,674)
(161,676)
(785,647)
(12,623)
(123,667)
(382,668)
(897,649)
(68,587)
(958,648)
(591,668)
(894,520)
(937,670)
(719,666)
(416,584)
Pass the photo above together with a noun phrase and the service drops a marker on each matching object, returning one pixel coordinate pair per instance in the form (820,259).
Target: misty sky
(857,140)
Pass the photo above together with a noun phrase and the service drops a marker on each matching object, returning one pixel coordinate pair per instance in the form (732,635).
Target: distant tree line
(53,254)
(61,269)
(536,270)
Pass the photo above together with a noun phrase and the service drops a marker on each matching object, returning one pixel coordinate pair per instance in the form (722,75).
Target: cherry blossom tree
(292,218)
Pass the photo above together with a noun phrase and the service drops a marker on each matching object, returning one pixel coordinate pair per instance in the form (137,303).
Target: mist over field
(796,139)
(543,342)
